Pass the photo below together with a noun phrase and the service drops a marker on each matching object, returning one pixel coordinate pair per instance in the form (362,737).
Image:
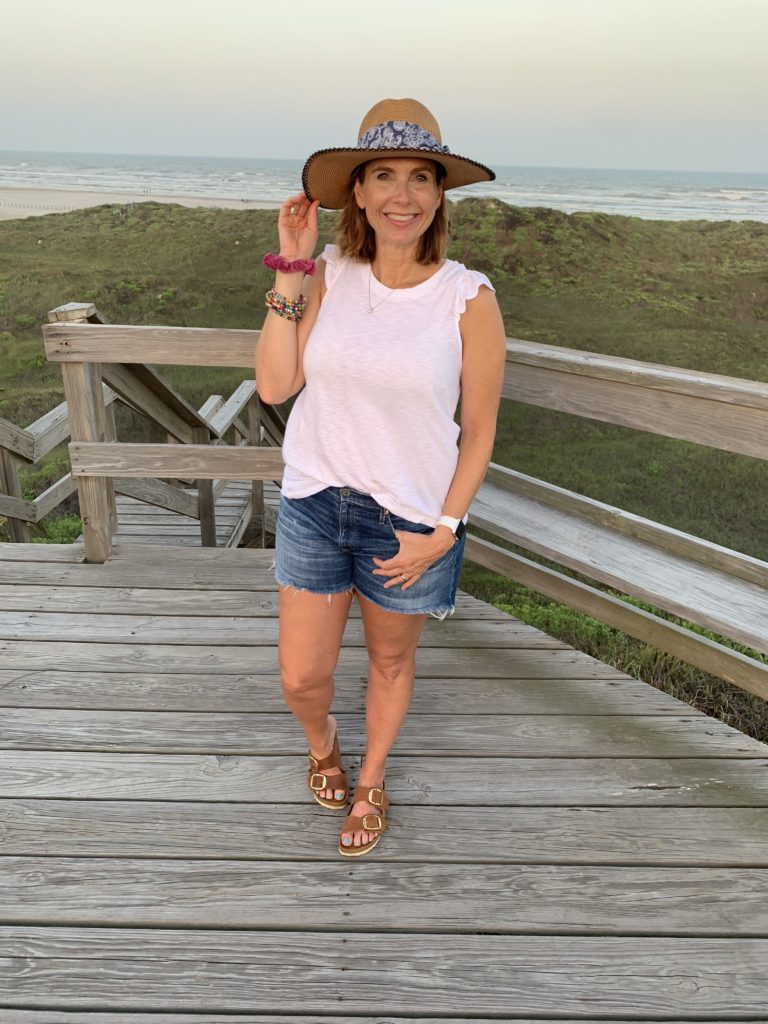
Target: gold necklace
(371,307)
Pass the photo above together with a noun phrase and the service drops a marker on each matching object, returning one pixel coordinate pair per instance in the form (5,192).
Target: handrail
(718,411)
(705,408)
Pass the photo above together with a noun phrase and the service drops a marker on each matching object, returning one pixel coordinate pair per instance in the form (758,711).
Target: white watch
(456,526)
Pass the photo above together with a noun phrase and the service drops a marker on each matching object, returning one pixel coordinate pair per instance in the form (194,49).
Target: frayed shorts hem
(437,613)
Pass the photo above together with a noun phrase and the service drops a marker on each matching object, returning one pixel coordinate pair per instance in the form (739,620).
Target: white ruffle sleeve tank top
(377,412)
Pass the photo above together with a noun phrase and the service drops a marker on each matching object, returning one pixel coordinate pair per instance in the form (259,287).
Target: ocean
(657,195)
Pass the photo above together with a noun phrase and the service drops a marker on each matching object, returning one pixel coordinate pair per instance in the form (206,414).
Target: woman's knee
(393,669)
(304,680)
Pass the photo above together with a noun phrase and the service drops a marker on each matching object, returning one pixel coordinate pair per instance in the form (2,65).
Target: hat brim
(327,173)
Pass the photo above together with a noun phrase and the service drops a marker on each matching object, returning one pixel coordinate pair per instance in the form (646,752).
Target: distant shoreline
(20,203)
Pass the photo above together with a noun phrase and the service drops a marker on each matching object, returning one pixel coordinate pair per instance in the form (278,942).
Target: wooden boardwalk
(142,523)
(566,843)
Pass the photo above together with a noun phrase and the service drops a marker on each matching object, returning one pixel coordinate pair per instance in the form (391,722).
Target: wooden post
(256,525)
(88,422)
(9,479)
(206,502)
(110,434)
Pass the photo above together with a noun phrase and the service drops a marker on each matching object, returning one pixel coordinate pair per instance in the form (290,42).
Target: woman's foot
(353,838)
(331,738)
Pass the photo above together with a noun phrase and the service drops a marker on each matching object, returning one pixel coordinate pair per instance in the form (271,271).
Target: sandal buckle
(372,828)
(376,796)
(322,784)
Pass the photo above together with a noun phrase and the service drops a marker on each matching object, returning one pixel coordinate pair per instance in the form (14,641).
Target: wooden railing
(700,582)
(141,389)
(21,447)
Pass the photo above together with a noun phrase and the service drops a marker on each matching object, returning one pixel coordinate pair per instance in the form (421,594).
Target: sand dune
(30,202)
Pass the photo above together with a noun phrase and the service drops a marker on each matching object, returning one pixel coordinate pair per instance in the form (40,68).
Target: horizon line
(301,160)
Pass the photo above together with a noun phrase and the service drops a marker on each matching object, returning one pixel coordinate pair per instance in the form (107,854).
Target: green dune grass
(689,293)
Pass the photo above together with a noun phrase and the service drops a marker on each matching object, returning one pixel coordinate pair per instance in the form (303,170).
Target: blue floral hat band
(400,135)
(406,127)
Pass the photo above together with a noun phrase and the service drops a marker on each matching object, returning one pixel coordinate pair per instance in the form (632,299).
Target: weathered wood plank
(13,504)
(513,781)
(53,427)
(163,346)
(140,691)
(158,601)
(158,492)
(198,461)
(503,899)
(706,420)
(193,630)
(735,563)
(674,379)
(16,508)
(13,1016)
(88,423)
(398,973)
(17,440)
(623,836)
(445,735)
(32,558)
(53,496)
(732,607)
(233,407)
(145,391)
(739,669)
(438,661)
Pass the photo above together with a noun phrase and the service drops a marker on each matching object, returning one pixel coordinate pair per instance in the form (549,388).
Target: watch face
(461,529)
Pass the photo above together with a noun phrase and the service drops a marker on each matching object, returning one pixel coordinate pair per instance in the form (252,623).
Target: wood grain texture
(17,440)
(157,494)
(202,462)
(705,420)
(162,346)
(53,496)
(412,780)
(14,1016)
(399,973)
(33,557)
(734,563)
(708,655)
(258,601)
(53,427)
(675,379)
(193,630)
(456,735)
(170,691)
(453,662)
(10,483)
(727,837)
(710,597)
(503,899)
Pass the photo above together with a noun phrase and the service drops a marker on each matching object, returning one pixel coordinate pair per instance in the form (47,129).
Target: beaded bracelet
(289,309)
(285,266)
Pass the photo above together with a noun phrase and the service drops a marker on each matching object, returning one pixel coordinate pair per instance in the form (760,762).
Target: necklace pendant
(370,309)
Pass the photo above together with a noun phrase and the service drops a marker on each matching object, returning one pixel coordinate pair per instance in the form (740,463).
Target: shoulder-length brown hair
(356,238)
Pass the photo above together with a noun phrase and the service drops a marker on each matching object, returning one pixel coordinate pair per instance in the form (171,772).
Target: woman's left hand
(418,551)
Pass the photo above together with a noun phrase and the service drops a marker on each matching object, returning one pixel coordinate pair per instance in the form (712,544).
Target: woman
(385,335)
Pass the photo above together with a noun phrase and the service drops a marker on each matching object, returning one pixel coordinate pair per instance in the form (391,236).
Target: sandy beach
(31,202)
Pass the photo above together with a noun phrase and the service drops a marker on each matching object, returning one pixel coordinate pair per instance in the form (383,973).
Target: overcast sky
(678,84)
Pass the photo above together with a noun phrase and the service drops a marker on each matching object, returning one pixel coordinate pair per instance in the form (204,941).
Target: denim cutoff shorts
(326,544)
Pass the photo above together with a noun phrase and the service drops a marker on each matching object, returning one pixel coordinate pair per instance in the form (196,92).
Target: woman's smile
(398,193)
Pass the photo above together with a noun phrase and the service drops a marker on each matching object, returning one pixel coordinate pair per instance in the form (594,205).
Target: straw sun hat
(402,127)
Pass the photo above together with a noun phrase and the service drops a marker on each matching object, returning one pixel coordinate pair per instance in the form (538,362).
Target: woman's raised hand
(297,226)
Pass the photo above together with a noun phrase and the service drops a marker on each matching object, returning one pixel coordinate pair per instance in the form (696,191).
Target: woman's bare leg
(311,628)
(391,639)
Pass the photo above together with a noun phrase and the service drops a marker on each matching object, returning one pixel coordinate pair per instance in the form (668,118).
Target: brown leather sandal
(368,822)
(318,781)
